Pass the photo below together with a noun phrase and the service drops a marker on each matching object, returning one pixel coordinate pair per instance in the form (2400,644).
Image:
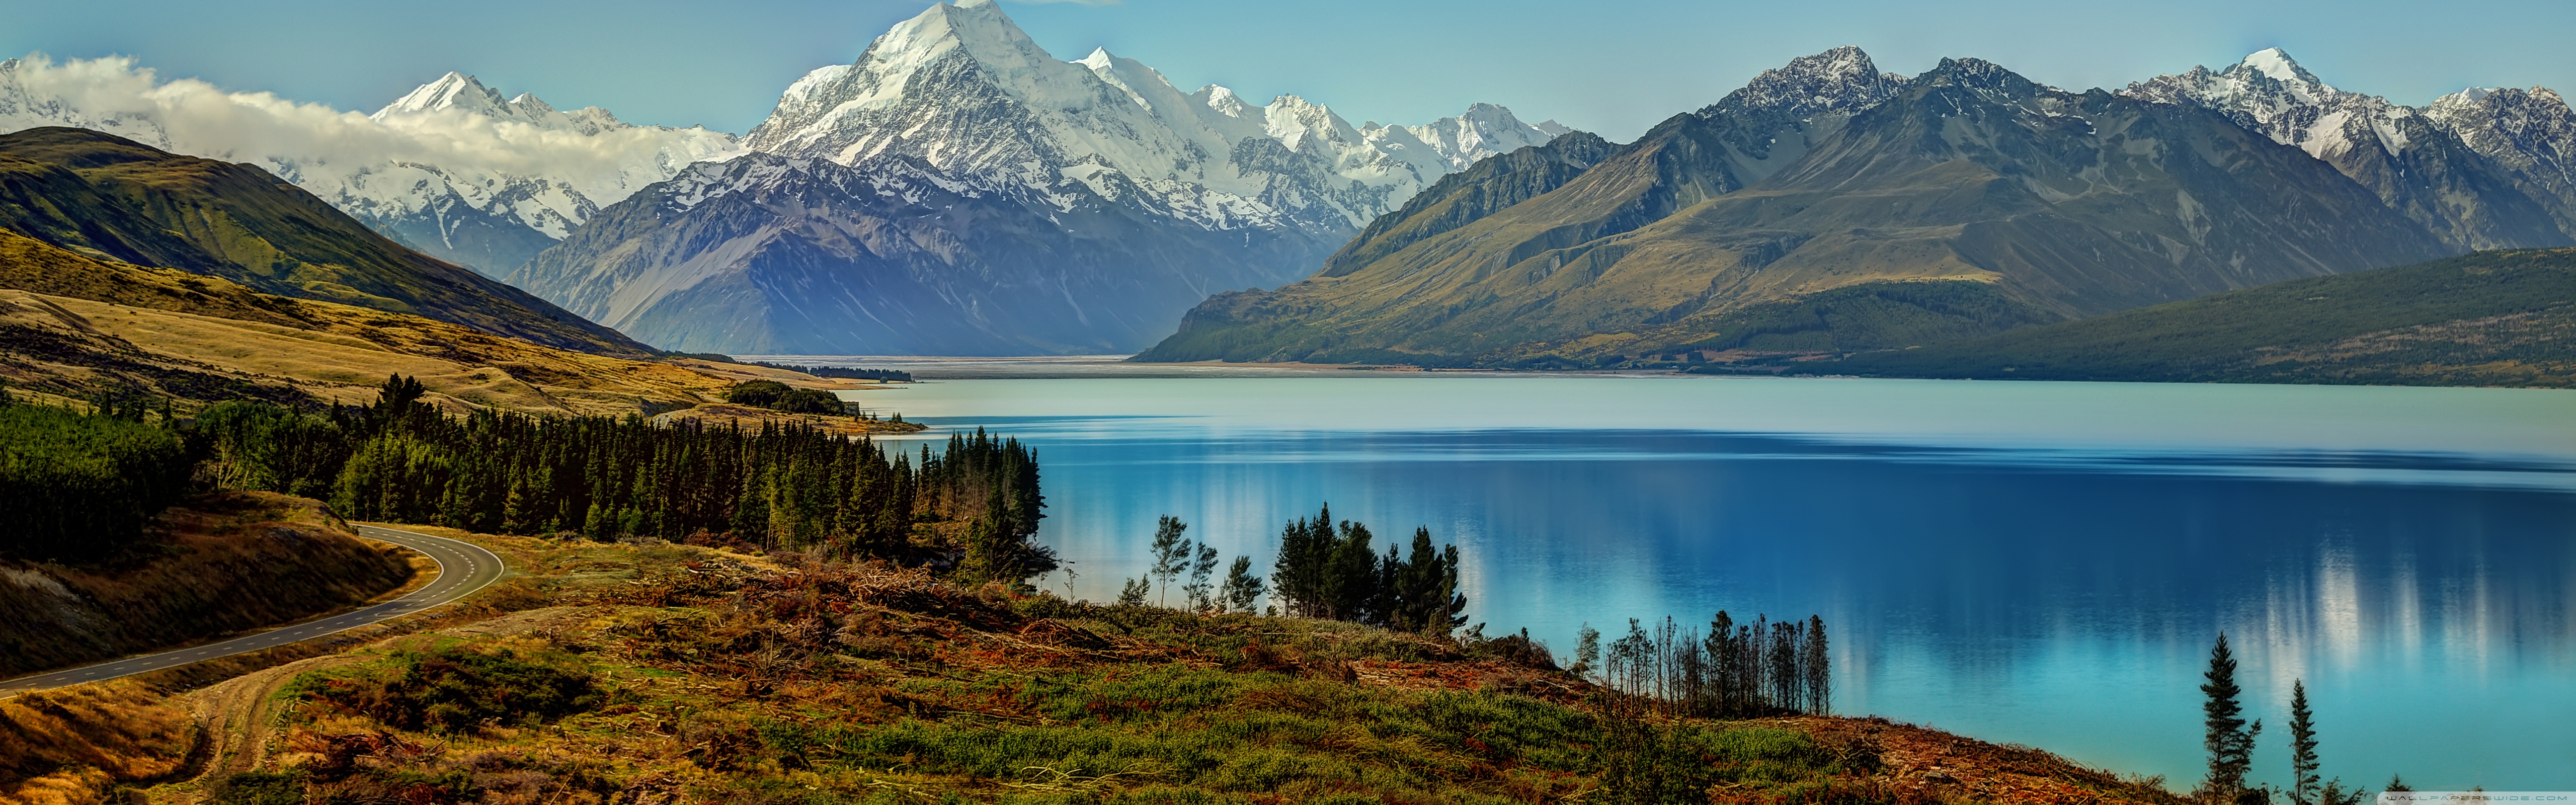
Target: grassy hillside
(111,198)
(675,674)
(73,325)
(2501,318)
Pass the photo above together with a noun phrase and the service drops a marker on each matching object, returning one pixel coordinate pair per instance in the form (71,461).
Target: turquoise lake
(2032,563)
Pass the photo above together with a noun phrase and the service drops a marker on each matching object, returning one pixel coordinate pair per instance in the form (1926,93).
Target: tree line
(1737,670)
(842,372)
(1322,570)
(77,485)
(972,507)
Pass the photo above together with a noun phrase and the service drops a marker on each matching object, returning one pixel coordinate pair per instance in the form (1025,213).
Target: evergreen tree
(2303,747)
(1133,594)
(2228,737)
(1818,664)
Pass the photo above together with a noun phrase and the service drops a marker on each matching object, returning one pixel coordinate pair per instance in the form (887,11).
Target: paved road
(462,569)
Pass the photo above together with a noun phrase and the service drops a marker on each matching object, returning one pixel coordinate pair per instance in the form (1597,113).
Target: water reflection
(2058,590)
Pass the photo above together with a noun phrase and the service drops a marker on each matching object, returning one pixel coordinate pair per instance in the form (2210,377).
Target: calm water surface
(2034,563)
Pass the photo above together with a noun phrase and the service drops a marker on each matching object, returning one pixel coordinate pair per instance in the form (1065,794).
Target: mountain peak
(1838,80)
(451,91)
(2277,64)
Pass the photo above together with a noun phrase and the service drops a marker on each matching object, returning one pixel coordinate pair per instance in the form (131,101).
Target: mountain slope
(73,326)
(772,255)
(1970,200)
(957,190)
(451,169)
(2416,161)
(109,197)
(2491,318)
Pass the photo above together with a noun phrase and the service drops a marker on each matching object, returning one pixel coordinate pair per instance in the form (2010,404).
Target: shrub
(259,788)
(455,690)
(808,401)
(761,393)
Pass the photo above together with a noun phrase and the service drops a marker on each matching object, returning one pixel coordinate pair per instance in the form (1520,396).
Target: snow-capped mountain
(964,90)
(2530,132)
(959,190)
(2418,162)
(452,169)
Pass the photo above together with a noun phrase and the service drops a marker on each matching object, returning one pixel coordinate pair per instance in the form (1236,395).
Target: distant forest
(74,476)
(841,372)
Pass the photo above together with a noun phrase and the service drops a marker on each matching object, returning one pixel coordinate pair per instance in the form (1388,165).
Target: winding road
(463,568)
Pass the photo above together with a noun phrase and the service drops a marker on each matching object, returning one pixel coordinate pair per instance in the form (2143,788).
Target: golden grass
(66,745)
(164,320)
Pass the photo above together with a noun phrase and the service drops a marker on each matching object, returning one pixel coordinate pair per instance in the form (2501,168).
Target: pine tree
(1817,662)
(2228,737)
(2303,747)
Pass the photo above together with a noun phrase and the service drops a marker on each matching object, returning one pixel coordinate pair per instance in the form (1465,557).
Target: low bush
(456,690)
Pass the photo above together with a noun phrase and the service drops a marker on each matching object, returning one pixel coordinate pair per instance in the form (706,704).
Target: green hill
(111,198)
(2499,318)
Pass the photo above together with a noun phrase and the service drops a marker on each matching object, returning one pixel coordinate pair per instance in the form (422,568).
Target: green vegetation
(777,396)
(454,690)
(2228,737)
(974,505)
(77,485)
(857,683)
(1322,573)
(2505,318)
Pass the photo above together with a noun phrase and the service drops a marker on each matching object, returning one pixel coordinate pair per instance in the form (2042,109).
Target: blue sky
(1609,68)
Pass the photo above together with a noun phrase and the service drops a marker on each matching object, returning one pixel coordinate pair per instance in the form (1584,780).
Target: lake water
(2033,563)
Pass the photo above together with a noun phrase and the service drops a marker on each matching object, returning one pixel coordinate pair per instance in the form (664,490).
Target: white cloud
(345,157)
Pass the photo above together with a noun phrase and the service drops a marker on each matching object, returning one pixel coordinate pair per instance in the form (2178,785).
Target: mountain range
(957,190)
(1831,208)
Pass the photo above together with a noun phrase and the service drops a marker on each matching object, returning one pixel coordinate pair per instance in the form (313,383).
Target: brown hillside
(79,324)
(112,198)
